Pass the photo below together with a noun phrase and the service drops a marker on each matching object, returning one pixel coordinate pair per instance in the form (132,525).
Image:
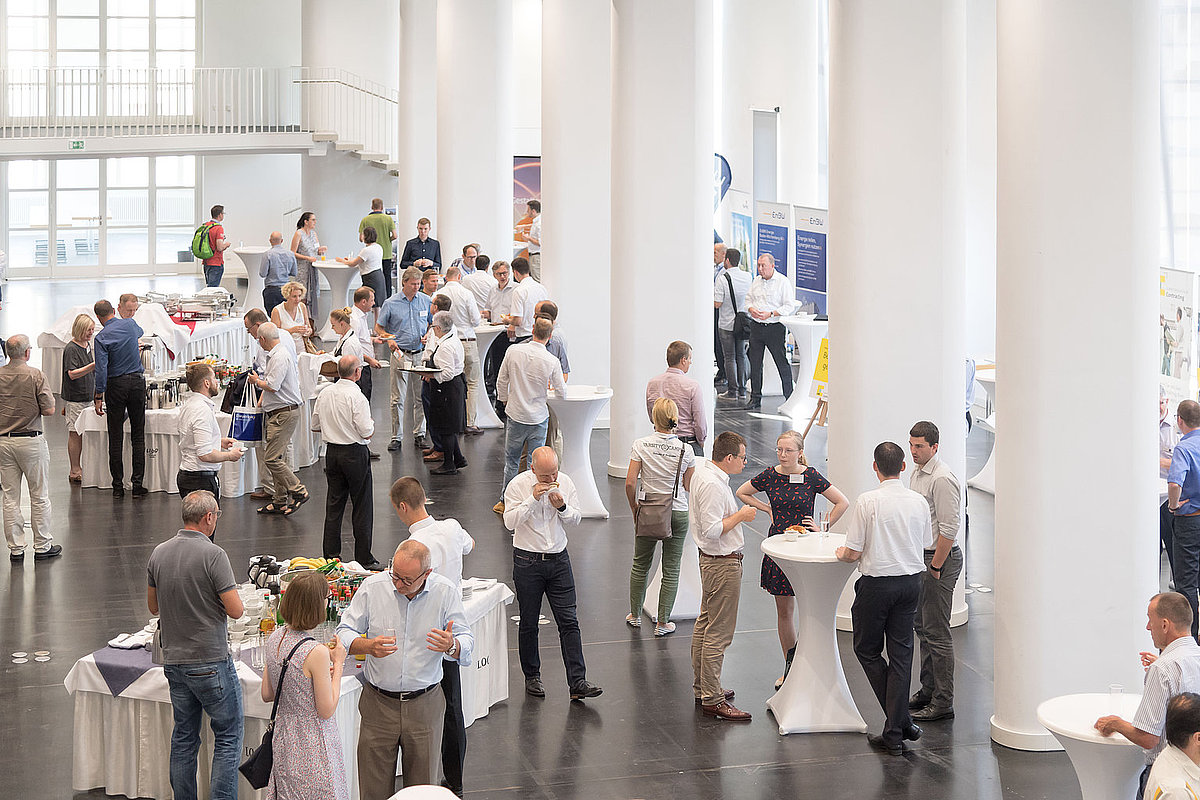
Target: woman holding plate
(791,487)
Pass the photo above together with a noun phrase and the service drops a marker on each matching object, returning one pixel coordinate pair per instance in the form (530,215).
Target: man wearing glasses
(716,525)
(408,608)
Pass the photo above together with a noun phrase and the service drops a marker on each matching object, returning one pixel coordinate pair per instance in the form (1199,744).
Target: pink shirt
(685,391)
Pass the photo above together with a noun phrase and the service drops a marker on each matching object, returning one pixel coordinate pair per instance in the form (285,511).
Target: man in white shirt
(498,311)
(1176,771)
(933,480)
(202,450)
(447,543)
(343,416)
(252,319)
(1175,669)
(281,400)
(716,525)
(889,531)
(521,385)
(525,299)
(533,239)
(480,281)
(466,318)
(729,297)
(770,297)
(539,504)
(364,304)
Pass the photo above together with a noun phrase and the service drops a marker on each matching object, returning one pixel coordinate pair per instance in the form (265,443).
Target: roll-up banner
(1177,335)
(772,223)
(811,230)
(741,225)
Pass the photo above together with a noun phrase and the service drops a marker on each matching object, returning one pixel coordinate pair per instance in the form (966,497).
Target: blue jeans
(212,688)
(535,576)
(518,435)
(213,274)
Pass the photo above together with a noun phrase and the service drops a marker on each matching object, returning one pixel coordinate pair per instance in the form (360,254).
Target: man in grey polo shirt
(192,590)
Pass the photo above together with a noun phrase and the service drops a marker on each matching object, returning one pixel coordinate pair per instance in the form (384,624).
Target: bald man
(278,267)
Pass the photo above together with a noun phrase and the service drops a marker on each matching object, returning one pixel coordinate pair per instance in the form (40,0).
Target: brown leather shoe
(728,697)
(261,495)
(435,456)
(725,711)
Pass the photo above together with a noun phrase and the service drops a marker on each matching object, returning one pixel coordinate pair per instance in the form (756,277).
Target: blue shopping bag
(248,418)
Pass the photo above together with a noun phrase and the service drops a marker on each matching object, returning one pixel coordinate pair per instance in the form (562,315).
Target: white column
(576,176)
(474,126)
(896,275)
(1076,494)
(418,141)
(661,203)
(770,61)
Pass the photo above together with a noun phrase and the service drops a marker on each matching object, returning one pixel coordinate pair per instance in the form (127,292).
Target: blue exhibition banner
(812,276)
(771,224)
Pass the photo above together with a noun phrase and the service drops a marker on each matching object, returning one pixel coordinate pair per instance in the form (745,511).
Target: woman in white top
(370,265)
(292,315)
(348,343)
(665,465)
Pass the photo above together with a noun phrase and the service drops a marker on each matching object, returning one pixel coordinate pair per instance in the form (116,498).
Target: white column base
(1039,741)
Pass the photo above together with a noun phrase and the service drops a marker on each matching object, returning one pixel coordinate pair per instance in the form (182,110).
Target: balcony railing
(75,103)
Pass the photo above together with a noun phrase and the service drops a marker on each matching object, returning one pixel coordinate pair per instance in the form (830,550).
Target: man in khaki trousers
(716,525)
(280,385)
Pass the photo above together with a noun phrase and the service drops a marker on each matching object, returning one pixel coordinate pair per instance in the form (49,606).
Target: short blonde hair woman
(78,386)
(292,315)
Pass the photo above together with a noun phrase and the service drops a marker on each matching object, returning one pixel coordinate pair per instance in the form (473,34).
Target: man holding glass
(409,608)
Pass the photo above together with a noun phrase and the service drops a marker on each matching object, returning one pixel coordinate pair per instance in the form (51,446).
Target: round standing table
(339,277)
(577,413)
(252,259)
(1108,767)
(808,333)
(815,698)
(485,414)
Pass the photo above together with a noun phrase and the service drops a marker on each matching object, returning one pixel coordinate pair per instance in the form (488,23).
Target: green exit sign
(77,144)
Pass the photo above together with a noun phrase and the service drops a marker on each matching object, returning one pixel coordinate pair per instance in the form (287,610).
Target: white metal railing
(69,103)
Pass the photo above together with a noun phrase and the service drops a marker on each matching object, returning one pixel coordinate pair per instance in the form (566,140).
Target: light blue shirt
(283,377)
(1185,471)
(406,319)
(278,266)
(378,605)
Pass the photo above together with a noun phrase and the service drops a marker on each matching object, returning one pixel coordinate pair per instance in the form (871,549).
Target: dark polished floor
(643,738)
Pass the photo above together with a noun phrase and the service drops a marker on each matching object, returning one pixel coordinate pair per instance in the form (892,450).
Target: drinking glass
(1115,691)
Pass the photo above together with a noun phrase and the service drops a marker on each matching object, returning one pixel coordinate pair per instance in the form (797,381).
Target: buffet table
(123,719)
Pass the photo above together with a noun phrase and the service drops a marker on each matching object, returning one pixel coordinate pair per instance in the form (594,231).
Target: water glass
(258,653)
(1115,691)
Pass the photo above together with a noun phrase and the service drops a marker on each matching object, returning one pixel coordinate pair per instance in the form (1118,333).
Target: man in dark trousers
(121,390)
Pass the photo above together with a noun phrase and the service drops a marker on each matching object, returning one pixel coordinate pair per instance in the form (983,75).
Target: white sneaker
(664,629)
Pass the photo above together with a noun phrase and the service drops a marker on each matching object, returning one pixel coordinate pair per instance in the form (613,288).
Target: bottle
(360,658)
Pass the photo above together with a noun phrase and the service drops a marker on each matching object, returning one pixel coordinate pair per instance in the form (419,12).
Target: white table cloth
(985,479)
(808,333)
(815,697)
(485,413)
(577,413)
(340,278)
(251,258)
(122,744)
(1108,767)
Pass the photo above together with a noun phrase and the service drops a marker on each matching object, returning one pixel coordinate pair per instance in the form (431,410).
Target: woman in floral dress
(308,751)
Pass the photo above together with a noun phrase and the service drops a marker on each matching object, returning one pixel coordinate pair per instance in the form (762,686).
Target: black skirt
(448,405)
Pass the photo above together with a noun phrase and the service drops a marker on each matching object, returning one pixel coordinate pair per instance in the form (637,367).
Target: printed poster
(820,379)
(527,185)
(772,221)
(1177,335)
(741,221)
(811,229)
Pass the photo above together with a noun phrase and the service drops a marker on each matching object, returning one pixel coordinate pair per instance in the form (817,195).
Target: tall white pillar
(896,274)
(474,126)
(576,176)
(1076,489)
(661,203)
(418,140)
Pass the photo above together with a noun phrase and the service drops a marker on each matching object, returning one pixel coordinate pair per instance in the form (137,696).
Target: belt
(403,696)
(539,556)
(689,439)
(931,550)
(465,339)
(283,408)
(738,556)
(410,352)
(22,433)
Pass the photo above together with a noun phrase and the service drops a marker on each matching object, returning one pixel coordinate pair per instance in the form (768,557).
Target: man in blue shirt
(1183,500)
(121,390)
(406,621)
(403,320)
(278,267)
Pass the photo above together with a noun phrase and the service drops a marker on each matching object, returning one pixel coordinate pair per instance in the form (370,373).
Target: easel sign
(820,388)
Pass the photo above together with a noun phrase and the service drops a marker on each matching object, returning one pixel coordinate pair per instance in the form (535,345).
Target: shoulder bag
(653,517)
(741,320)
(249,421)
(257,767)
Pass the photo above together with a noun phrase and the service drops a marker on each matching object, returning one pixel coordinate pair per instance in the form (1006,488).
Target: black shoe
(54,552)
(931,714)
(419,440)
(584,689)
(373,566)
(912,732)
(458,792)
(753,404)
(878,743)
(16,555)
(374,456)
(394,445)
(474,430)
(443,471)
(534,688)
(140,491)
(918,700)
(729,395)
(118,493)
(460,464)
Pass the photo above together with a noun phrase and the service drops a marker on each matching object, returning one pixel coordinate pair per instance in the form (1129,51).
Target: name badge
(797,477)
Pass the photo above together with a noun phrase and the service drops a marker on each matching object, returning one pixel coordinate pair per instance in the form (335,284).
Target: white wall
(237,33)
(527,77)
(980,193)
(359,36)
(257,191)
(339,188)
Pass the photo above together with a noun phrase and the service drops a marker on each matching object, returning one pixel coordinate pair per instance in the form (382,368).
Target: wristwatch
(453,647)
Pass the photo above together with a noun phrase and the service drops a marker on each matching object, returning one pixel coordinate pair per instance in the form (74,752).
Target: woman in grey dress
(308,249)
